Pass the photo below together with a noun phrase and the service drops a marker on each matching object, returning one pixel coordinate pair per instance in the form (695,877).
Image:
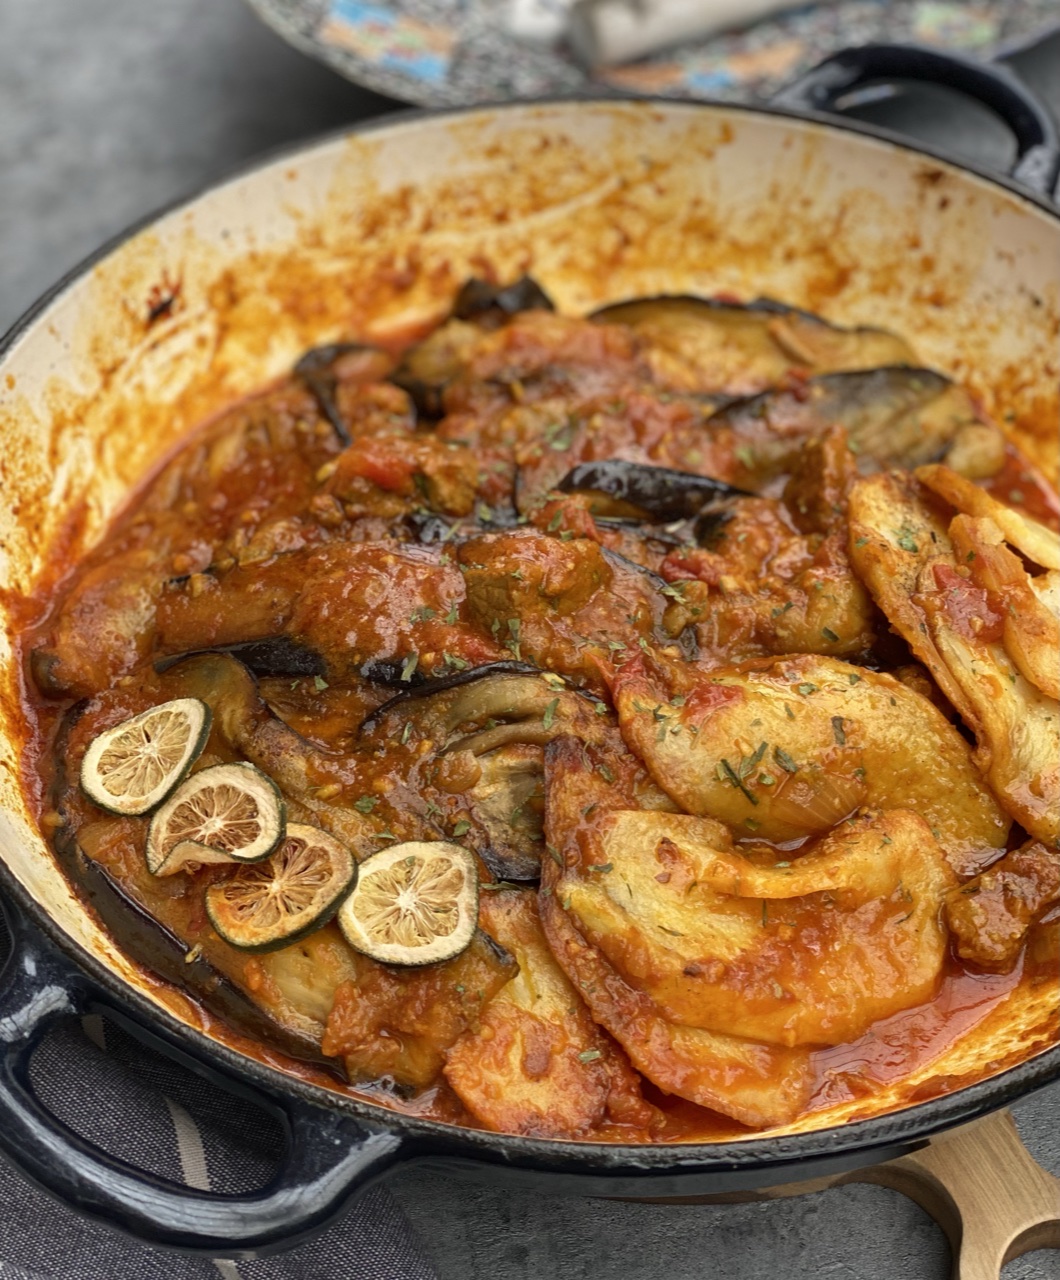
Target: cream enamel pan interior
(363,233)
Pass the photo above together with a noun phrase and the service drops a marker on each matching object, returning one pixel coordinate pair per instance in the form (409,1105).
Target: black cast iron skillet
(337,1146)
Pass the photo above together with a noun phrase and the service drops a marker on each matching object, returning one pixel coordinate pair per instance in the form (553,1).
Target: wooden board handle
(986,1191)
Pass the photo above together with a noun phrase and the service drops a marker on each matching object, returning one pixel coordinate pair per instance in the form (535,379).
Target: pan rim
(910,1125)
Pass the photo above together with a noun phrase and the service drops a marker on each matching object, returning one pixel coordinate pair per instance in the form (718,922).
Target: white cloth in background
(608,32)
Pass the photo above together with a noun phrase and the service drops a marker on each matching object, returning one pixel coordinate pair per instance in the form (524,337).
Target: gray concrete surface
(110,108)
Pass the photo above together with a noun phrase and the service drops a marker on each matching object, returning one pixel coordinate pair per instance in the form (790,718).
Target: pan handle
(330,1158)
(1037,161)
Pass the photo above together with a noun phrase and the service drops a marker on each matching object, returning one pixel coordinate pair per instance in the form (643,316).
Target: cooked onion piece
(228,813)
(414,904)
(536,1063)
(789,748)
(133,767)
(271,903)
(904,551)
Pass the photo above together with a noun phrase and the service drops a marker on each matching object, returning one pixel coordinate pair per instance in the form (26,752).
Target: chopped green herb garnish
(590,1055)
(838,732)
(462,827)
(602,867)
(605,773)
(784,760)
(319,684)
(514,629)
(550,714)
(406,733)
(408,667)
(726,773)
(806,688)
(829,634)
(783,608)
(453,614)
(860,542)
(365,804)
(906,539)
(853,677)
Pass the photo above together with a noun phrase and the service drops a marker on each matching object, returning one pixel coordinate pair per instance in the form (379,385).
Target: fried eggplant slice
(537,1064)
(706,344)
(787,749)
(991,915)
(757,1084)
(481,732)
(893,417)
(902,548)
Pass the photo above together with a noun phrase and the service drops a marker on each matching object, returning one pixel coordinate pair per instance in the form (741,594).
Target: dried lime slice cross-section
(228,813)
(132,767)
(272,903)
(414,904)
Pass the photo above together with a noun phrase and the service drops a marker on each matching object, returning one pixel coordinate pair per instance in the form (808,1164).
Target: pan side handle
(330,1157)
(1037,163)
(986,1191)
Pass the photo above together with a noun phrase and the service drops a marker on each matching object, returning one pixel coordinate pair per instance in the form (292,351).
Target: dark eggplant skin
(484,302)
(149,942)
(896,415)
(427,687)
(275,656)
(426,398)
(660,493)
(316,370)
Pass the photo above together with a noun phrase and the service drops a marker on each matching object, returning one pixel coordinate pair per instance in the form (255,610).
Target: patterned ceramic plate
(453,52)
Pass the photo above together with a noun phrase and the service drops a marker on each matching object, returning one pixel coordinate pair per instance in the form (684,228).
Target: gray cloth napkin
(142,1108)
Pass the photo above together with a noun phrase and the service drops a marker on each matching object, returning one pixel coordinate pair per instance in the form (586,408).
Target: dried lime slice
(274,902)
(134,766)
(414,904)
(228,813)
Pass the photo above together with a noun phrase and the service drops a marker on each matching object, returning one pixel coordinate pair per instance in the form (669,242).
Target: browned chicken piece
(537,1064)
(991,914)
(399,1023)
(564,605)
(409,470)
(775,575)
(349,603)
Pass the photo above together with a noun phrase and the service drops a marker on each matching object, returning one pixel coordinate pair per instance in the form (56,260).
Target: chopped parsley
(365,804)
(408,667)
(462,827)
(784,760)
